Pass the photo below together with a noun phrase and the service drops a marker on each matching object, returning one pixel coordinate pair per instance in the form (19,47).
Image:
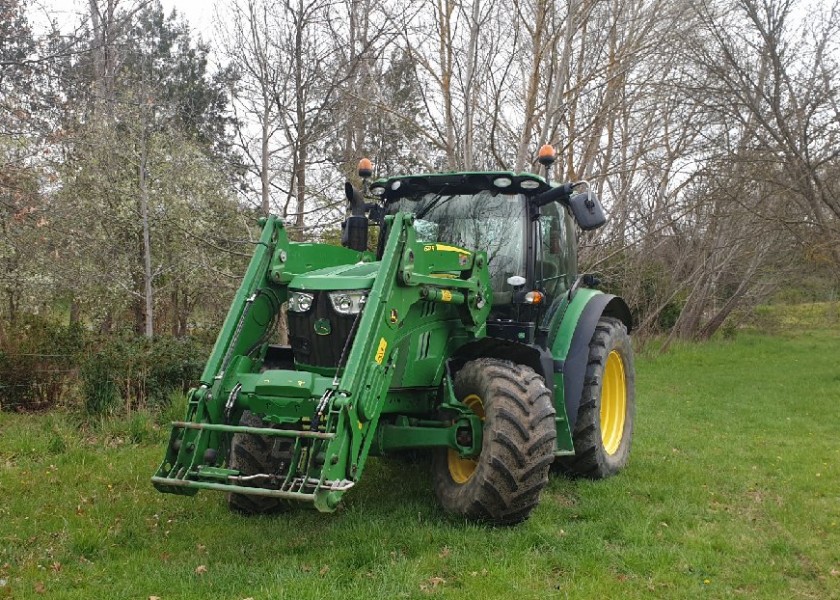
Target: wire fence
(65,388)
(42,366)
(58,375)
(38,381)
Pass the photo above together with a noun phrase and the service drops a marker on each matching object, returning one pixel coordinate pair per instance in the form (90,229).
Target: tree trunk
(445,10)
(148,296)
(75,312)
(174,302)
(265,179)
(533,88)
(300,180)
(470,95)
(103,23)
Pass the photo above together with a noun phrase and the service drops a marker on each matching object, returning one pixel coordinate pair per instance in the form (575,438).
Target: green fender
(570,345)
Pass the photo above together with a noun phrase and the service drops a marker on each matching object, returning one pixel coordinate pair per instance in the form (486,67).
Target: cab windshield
(486,221)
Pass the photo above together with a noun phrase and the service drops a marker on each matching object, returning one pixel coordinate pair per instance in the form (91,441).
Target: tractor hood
(357,276)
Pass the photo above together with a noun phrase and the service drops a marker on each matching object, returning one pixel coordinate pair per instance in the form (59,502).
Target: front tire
(502,484)
(604,428)
(252,454)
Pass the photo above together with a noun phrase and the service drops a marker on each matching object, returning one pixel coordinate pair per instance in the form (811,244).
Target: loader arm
(331,420)
(407,275)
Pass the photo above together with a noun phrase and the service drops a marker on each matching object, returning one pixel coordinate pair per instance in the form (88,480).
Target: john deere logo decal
(322,327)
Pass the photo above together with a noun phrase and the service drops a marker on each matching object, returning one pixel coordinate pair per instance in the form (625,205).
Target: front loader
(467,333)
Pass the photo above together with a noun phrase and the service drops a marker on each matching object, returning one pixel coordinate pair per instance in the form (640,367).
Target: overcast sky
(199,13)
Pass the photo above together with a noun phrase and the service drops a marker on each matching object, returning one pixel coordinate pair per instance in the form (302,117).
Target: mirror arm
(561,194)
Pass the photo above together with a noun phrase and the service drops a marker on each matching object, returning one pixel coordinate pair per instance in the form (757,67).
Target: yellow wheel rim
(613,403)
(461,469)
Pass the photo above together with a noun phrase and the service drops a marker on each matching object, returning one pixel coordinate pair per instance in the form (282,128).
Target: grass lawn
(733,491)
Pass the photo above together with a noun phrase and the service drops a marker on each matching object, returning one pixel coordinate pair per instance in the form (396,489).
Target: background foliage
(135,155)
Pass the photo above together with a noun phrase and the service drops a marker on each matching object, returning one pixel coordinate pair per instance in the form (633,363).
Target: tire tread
(590,459)
(518,447)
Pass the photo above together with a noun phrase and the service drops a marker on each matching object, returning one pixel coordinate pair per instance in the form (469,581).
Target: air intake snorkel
(354,234)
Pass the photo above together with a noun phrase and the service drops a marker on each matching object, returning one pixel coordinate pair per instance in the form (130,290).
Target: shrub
(37,362)
(99,387)
(132,372)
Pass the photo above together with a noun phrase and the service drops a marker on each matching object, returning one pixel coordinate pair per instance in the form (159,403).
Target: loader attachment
(320,420)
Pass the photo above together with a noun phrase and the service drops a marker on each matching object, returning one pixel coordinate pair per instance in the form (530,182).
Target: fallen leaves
(431,584)
(201,569)
(307,568)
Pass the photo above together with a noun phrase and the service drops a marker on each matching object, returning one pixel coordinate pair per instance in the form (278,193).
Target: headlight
(348,303)
(300,302)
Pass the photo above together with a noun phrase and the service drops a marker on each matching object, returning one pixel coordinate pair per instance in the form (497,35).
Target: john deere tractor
(466,333)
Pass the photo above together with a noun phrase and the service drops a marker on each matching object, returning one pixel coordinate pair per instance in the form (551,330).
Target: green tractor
(467,333)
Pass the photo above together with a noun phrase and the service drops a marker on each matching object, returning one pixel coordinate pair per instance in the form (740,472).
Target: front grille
(319,349)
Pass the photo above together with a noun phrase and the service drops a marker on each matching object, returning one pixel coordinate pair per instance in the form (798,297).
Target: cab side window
(553,260)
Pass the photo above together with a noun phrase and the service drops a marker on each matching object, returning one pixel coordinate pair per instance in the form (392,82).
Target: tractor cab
(523,223)
(531,252)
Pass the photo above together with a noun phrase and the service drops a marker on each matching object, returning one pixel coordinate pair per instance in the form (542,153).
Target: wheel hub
(461,469)
(613,403)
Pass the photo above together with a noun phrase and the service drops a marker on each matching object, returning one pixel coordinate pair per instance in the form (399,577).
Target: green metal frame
(560,332)
(330,459)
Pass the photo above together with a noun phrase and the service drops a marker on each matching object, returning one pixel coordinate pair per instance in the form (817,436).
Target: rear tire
(252,454)
(502,484)
(604,428)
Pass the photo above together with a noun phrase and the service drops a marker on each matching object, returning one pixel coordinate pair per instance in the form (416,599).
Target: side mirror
(587,210)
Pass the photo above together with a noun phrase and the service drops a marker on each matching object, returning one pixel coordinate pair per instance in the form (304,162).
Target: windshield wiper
(433,202)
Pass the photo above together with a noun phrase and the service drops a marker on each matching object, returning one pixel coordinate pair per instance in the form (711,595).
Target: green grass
(780,318)
(733,492)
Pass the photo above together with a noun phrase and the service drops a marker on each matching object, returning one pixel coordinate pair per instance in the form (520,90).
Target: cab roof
(505,182)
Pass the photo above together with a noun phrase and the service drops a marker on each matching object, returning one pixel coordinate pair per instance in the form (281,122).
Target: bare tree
(245,34)
(774,97)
